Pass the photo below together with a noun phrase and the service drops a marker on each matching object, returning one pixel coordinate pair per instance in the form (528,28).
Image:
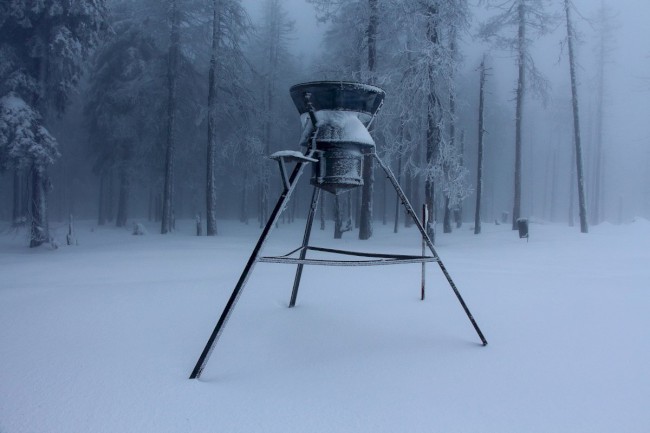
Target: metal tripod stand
(290,183)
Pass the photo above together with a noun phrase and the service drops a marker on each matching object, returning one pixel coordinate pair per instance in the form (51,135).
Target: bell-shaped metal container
(343,111)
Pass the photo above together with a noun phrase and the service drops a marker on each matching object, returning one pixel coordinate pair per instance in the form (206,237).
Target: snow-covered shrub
(139,229)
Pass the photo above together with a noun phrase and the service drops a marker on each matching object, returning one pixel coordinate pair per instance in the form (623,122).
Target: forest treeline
(125,110)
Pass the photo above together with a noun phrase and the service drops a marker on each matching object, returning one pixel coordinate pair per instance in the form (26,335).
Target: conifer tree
(43,49)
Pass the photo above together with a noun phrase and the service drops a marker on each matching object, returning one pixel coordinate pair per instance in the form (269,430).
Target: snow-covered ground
(102,337)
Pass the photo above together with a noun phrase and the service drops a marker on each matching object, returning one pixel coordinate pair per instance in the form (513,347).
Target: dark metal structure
(522,226)
(335,116)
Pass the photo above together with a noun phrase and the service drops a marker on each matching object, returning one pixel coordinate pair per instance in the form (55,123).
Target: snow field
(101,337)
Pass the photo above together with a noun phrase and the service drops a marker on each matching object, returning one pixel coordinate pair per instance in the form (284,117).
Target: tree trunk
(384,205)
(554,185)
(365,218)
(20,198)
(572,178)
(243,212)
(434,133)
(397,199)
(16,217)
(452,129)
(597,196)
(447,218)
(110,199)
(123,200)
(273,59)
(172,69)
(373,20)
(40,232)
(294,208)
(150,205)
(576,123)
(257,202)
(357,214)
(458,210)
(521,87)
(263,203)
(180,203)
(598,191)
(26,195)
(211,186)
(408,191)
(158,208)
(479,169)
(348,211)
(322,211)
(101,217)
(71,238)
(547,188)
(338,218)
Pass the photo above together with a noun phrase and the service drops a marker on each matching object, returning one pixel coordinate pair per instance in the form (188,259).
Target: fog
(626,131)
(261,54)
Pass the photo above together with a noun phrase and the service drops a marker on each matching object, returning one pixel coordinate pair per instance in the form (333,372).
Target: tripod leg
(426,238)
(422,286)
(305,241)
(277,211)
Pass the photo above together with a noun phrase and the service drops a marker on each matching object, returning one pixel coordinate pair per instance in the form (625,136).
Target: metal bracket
(289,156)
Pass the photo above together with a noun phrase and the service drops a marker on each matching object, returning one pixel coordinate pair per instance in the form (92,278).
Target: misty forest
(127,111)
(149,149)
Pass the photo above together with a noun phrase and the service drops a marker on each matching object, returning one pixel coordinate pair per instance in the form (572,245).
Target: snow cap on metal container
(343,111)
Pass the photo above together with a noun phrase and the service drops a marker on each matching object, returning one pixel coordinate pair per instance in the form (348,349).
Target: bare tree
(458,210)
(481,131)
(434,117)
(365,219)
(576,119)
(211,187)
(173,55)
(274,34)
(453,36)
(342,216)
(523,15)
(604,25)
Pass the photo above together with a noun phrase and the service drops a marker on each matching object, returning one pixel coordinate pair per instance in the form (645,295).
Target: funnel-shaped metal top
(335,117)
(338,95)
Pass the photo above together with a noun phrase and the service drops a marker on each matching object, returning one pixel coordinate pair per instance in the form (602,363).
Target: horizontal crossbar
(378,262)
(379,259)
